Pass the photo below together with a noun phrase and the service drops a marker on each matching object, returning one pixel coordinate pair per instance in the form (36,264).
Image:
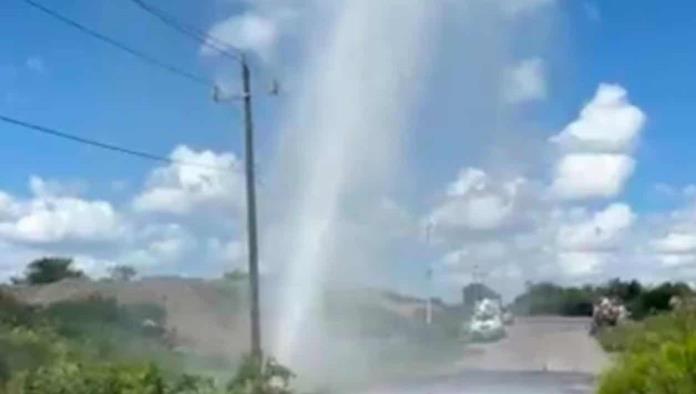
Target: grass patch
(657,356)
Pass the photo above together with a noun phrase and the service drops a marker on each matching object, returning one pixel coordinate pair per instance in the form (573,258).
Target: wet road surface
(540,355)
(496,382)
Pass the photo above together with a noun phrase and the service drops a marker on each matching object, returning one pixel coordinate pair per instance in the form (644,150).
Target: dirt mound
(210,317)
(203,316)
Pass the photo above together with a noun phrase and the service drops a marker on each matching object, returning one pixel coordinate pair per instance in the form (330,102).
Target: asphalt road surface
(553,344)
(544,355)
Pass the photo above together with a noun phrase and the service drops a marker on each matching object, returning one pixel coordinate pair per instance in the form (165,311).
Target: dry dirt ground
(197,312)
(207,317)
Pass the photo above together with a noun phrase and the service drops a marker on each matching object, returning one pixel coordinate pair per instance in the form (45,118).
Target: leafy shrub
(659,356)
(667,369)
(649,333)
(91,317)
(100,378)
(14,313)
(261,376)
(617,338)
(23,349)
(193,384)
(101,329)
(95,346)
(76,378)
(253,377)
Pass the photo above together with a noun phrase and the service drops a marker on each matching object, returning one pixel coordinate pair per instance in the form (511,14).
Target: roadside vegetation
(655,349)
(656,355)
(96,346)
(640,300)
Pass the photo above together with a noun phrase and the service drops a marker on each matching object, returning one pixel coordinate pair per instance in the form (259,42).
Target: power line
(103,145)
(192,32)
(138,54)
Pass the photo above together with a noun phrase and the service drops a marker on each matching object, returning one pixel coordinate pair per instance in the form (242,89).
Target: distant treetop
(49,270)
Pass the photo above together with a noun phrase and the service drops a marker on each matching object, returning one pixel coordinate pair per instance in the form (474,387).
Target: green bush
(23,349)
(261,376)
(49,270)
(658,356)
(667,369)
(95,346)
(75,318)
(649,333)
(105,328)
(76,378)
(102,378)
(14,313)
(69,377)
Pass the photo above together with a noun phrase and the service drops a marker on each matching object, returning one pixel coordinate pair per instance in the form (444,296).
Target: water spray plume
(344,137)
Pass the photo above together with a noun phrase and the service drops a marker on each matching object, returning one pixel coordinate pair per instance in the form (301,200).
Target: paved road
(540,344)
(496,382)
(539,356)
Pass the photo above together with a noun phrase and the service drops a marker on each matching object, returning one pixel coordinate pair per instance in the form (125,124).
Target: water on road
(541,355)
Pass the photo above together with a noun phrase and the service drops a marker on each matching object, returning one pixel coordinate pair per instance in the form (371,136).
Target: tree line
(54,269)
(641,300)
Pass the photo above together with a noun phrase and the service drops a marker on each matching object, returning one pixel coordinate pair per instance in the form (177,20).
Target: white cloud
(608,123)
(474,201)
(46,188)
(231,254)
(249,31)
(54,220)
(671,236)
(469,180)
(48,218)
(57,220)
(452,260)
(676,243)
(603,231)
(214,185)
(674,260)
(525,82)
(543,238)
(172,248)
(579,264)
(589,175)
(8,206)
(584,245)
(473,253)
(479,213)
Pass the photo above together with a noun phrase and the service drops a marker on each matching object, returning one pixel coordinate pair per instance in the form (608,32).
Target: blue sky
(53,75)
(91,89)
(646,47)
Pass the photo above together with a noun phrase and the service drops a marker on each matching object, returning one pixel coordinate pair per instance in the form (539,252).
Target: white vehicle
(508,318)
(487,321)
